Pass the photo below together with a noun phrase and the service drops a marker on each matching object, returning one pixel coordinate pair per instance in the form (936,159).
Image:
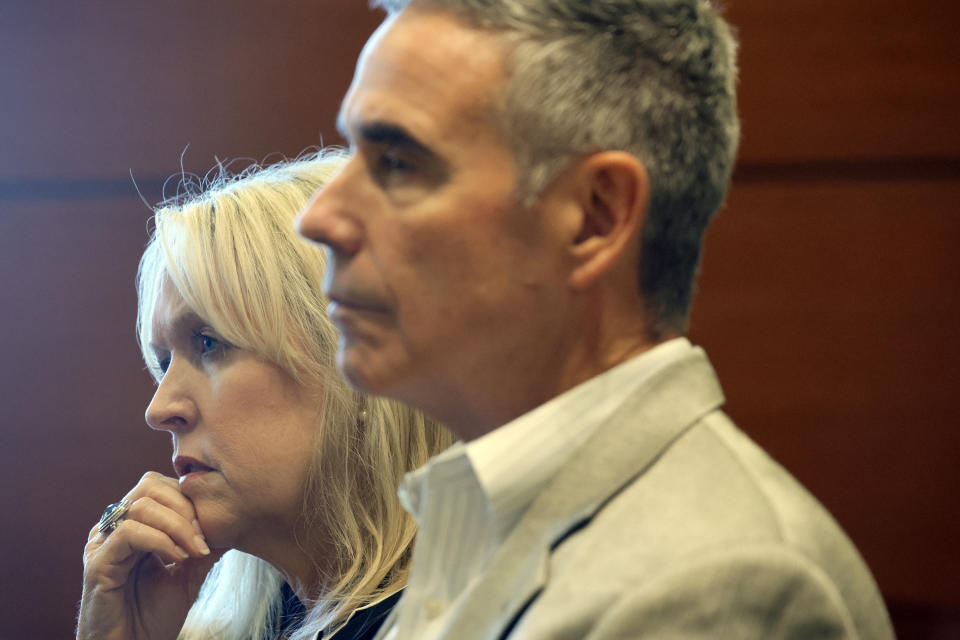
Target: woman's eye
(158,364)
(206,345)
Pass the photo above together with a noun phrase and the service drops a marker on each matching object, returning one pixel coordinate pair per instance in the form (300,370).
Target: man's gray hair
(655,78)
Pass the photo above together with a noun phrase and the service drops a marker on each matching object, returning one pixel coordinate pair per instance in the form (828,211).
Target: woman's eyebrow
(183,318)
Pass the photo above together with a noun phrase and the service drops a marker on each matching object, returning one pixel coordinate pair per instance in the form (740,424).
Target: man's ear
(613,192)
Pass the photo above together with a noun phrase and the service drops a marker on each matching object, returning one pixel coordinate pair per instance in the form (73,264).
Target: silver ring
(112,517)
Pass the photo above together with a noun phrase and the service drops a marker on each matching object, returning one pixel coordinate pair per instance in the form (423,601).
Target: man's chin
(354,370)
(367,370)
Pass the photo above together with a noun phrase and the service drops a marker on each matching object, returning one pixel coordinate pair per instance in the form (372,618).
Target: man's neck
(514,393)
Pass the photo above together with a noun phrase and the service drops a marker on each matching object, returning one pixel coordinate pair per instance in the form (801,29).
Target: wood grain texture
(74,391)
(103,88)
(848,79)
(829,311)
(827,300)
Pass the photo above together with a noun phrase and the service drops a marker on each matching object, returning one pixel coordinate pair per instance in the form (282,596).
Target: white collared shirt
(467,500)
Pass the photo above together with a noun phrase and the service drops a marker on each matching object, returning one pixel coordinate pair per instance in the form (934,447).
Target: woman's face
(243,430)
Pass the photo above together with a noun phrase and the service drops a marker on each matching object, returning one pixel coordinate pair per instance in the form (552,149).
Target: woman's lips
(185,466)
(192,477)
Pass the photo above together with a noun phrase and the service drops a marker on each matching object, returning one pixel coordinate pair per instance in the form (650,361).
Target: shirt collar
(514,462)
(511,464)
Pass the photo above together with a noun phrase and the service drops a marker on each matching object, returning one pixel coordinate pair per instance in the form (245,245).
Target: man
(513,243)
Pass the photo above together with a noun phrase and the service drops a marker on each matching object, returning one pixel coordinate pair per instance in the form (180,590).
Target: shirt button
(433,608)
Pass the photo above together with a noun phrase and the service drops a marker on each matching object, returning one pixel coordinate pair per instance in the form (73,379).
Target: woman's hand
(141,579)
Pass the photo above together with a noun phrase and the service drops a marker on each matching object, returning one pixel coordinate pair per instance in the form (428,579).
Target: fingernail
(183,554)
(204,549)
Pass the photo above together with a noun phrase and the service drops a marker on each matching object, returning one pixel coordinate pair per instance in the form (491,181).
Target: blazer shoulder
(711,500)
(763,591)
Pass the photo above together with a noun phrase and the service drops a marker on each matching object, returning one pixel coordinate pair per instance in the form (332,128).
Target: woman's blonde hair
(231,251)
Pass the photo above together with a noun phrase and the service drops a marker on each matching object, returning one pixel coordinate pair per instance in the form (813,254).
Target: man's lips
(340,302)
(185,465)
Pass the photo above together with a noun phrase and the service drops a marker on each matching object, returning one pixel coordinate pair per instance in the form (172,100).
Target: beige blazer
(671,523)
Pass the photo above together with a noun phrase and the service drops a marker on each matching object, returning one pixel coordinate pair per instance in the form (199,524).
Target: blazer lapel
(621,449)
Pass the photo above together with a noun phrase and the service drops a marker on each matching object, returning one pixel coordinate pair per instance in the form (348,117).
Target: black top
(293,610)
(363,625)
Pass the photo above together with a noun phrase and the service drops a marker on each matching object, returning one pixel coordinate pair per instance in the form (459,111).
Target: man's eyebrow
(391,135)
(382,133)
(388,134)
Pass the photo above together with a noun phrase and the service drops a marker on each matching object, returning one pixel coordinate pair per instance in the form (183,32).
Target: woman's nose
(173,407)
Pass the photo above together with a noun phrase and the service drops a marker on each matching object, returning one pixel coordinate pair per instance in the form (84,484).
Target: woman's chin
(220,533)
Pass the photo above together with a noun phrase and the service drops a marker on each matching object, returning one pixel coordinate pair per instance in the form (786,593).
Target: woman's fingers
(128,572)
(166,491)
(156,500)
(151,512)
(110,563)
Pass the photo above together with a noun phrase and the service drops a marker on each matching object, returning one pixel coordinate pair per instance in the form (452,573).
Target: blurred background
(828,298)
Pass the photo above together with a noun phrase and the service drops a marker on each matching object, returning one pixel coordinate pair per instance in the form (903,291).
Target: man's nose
(326,219)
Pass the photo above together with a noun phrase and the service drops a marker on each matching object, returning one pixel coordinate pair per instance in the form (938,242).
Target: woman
(286,475)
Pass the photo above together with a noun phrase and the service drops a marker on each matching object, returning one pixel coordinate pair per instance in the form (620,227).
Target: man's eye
(393,162)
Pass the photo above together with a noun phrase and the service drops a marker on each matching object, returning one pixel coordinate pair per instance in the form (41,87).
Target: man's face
(443,287)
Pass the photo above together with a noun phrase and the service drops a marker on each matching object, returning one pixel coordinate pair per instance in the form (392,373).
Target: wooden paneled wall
(829,288)
(828,297)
